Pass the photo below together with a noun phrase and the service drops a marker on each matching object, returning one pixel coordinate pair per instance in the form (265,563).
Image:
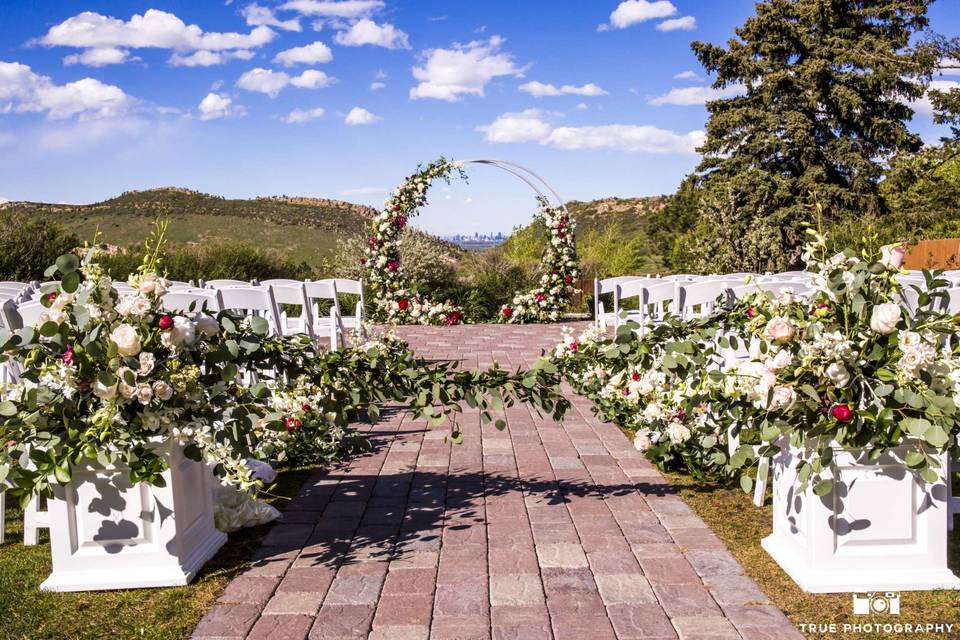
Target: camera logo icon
(876,603)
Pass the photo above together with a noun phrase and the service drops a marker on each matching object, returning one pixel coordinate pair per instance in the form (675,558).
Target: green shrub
(214,260)
(28,245)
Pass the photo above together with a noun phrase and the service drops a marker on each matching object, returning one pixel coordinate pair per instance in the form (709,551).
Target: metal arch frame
(524,174)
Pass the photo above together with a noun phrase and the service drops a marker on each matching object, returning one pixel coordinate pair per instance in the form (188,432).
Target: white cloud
(273,82)
(22,90)
(688,96)
(686,23)
(531,126)
(687,75)
(154,29)
(97,57)
(631,12)
(540,90)
(376,86)
(449,74)
(380,75)
(218,105)
(315,53)
(525,126)
(923,106)
(299,116)
(209,58)
(581,107)
(949,67)
(350,9)
(359,115)
(257,16)
(367,31)
(79,137)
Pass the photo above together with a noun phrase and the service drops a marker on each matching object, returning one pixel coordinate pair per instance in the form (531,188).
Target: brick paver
(538,531)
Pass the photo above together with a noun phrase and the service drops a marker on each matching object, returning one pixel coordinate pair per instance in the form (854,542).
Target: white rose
(678,432)
(838,374)
(642,441)
(147,363)
(144,393)
(652,412)
(104,392)
(779,329)
(891,256)
(182,332)
(783,359)
(127,340)
(909,339)
(140,306)
(207,326)
(148,284)
(151,421)
(162,390)
(885,317)
(783,397)
(124,306)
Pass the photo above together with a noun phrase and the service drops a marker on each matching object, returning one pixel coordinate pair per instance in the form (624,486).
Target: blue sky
(602,98)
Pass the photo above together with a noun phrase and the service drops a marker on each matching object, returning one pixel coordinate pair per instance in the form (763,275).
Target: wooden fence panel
(934,254)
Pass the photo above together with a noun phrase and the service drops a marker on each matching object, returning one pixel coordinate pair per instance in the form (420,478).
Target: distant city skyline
(343,98)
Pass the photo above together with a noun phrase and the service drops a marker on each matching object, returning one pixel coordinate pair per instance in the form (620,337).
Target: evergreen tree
(825,85)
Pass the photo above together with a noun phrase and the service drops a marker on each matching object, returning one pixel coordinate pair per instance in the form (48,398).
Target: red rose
(541,297)
(397,207)
(635,376)
(842,413)
(51,296)
(393,265)
(400,221)
(305,406)
(68,356)
(507,312)
(166,322)
(372,242)
(751,312)
(292,423)
(626,392)
(403,303)
(453,317)
(574,346)
(568,279)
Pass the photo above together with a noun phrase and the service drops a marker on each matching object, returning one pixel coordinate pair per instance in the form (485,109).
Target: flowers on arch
(397,303)
(560,271)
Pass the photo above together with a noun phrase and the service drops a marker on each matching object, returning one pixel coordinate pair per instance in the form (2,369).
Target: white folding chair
(326,290)
(605,286)
(254,301)
(698,298)
(200,299)
(353,288)
(180,284)
(653,300)
(29,313)
(292,294)
(225,283)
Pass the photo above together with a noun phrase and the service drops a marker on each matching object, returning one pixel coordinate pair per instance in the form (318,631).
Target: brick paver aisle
(538,531)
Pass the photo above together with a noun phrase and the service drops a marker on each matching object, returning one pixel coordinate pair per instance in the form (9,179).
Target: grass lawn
(732,516)
(30,614)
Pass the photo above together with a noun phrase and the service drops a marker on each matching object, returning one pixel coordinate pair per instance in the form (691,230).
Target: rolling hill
(304,229)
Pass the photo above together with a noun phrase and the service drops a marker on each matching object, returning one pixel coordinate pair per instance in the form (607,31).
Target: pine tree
(824,105)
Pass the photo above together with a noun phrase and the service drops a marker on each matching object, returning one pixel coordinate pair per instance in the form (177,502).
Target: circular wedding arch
(398,304)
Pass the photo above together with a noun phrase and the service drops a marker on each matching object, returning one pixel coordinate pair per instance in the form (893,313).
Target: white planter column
(106,533)
(880,529)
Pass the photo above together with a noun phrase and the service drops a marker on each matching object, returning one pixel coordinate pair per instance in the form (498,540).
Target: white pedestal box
(880,529)
(107,533)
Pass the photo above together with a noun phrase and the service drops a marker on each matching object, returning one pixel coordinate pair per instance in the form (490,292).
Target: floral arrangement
(656,387)
(559,262)
(848,367)
(115,379)
(844,368)
(396,302)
